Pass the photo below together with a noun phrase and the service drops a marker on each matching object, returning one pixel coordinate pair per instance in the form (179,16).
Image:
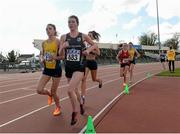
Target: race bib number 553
(73,55)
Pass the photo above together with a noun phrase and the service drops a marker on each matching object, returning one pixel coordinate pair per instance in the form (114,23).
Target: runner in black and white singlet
(73,48)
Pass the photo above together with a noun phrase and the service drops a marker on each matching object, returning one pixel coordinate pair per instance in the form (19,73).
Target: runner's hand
(65,45)
(86,52)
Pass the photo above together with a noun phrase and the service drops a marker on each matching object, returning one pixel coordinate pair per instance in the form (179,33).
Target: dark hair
(131,43)
(54,27)
(95,35)
(75,17)
(170,47)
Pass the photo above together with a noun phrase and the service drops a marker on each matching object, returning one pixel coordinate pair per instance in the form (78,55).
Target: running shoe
(83,99)
(82,111)
(57,111)
(74,118)
(100,84)
(50,100)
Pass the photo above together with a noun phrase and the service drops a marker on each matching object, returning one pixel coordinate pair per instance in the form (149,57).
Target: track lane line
(63,99)
(113,100)
(62,86)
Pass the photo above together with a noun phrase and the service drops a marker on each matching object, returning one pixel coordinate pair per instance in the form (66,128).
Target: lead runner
(74,49)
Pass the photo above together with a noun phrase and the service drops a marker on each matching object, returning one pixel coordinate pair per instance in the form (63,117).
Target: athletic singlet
(50,49)
(124,57)
(171,54)
(132,53)
(73,53)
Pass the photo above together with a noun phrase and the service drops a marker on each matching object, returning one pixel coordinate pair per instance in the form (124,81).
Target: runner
(74,49)
(124,59)
(91,65)
(52,67)
(133,55)
(163,59)
(171,59)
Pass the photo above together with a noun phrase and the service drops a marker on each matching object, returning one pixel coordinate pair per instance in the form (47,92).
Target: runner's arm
(41,55)
(98,52)
(59,57)
(90,42)
(117,57)
(61,48)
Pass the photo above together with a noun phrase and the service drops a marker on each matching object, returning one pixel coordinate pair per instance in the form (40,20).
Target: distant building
(25,57)
(38,44)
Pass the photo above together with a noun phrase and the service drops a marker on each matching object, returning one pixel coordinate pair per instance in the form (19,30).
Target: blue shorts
(57,72)
(53,72)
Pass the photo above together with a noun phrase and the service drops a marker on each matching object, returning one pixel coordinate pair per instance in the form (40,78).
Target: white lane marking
(121,93)
(34,111)
(30,113)
(14,78)
(36,93)
(62,80)
(17,98)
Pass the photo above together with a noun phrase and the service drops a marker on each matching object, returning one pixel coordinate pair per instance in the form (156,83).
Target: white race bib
(73,55)
(126,60)
(47,56)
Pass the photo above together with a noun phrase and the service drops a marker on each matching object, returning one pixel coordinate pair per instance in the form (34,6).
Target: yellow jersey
(50,49)
(171,54)
(132,53)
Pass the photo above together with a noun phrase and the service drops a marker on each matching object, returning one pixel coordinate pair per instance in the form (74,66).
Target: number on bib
(73,55)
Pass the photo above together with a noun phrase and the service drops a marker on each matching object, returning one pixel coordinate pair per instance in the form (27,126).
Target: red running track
(24,111)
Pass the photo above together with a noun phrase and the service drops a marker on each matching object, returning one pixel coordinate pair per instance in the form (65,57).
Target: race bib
(47,56)
(49,63)
(73,55)
(126,60)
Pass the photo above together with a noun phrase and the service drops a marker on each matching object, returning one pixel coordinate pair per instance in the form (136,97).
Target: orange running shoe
(57,111)
(50,100)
